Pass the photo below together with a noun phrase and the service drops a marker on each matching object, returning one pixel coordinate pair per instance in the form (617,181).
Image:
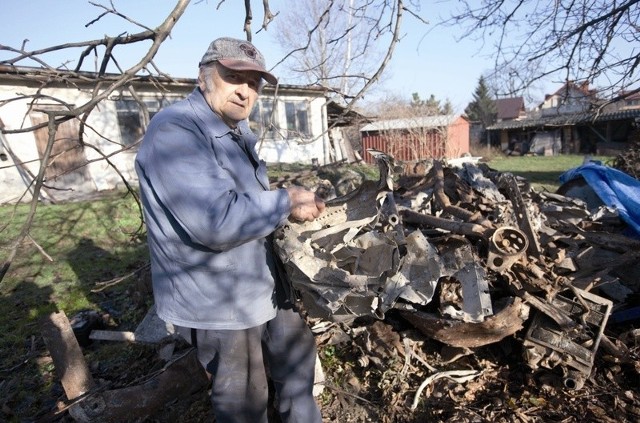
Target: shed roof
(338,115)
(566,119)
(411,123)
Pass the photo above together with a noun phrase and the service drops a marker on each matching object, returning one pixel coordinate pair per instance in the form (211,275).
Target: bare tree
(416,141)
(430,106)
(328,44)
(394,106)
(566,40)
(343,45)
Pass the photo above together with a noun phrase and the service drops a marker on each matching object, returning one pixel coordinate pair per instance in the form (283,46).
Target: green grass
(72,247)
(541,171)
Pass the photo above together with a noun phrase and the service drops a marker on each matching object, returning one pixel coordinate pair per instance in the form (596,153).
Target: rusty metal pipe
(460,228)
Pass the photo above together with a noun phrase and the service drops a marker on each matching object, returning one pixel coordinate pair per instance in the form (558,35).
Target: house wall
(573,101)
(102,131)
(291,148)
(23,164)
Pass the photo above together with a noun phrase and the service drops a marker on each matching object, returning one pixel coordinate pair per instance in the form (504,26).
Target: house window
(297,114)
(261,118)
(131,117)
(267,123)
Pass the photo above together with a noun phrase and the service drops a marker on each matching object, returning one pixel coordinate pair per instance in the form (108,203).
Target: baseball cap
(237,55)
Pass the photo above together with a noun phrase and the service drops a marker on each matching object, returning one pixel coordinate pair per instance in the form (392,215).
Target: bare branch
(247,19)
(582,40)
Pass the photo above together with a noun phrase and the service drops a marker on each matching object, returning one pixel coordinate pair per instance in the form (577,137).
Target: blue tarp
(615,188)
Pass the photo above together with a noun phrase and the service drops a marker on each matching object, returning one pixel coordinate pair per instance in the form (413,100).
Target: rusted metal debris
(574,349)
(465,254)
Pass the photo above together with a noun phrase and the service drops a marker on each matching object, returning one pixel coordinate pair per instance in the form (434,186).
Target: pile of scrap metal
(468,256)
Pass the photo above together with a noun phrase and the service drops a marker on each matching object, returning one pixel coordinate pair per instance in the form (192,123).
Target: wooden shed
(418,138)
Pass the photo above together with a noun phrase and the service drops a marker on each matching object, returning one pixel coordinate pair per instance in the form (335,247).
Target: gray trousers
(238,362)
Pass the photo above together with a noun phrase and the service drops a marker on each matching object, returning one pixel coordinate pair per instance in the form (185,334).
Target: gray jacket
(208,210)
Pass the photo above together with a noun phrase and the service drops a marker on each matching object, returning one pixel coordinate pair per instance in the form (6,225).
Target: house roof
(36,76)
(509,108)
(411,123)
(23,73)
(566,119)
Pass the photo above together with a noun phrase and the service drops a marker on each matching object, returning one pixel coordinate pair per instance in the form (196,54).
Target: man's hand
(305,205)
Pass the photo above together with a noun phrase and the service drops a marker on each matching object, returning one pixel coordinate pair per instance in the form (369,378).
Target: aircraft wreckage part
(481,183)
(444,202)
(362,257)
(460,228)
(547,345)
(464,292)
(506,246)
(417,278)
(562,319)
(521,213)
(329,291)
(475,292)
(508,320)
(339,262)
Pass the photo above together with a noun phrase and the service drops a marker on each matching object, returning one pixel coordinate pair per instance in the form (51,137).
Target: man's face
(231,94)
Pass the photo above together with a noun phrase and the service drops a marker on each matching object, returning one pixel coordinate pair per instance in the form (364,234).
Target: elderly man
(209,215)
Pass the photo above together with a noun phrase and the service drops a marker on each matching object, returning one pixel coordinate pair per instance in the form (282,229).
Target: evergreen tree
(483,107)
(447,109)
(431,106)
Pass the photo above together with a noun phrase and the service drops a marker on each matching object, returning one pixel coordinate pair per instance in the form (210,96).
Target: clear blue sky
(426,62)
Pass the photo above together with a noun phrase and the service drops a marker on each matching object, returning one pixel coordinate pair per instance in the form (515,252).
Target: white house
(570,98)
(291,122)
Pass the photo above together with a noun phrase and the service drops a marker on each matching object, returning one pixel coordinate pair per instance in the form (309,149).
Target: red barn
(410,139)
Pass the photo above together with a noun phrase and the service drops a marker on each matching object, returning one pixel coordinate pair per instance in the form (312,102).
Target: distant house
(293,128)
(570,98)
(410,139)
(568,121)
(630,101)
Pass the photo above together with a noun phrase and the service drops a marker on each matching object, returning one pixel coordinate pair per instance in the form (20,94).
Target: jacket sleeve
(198,192)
